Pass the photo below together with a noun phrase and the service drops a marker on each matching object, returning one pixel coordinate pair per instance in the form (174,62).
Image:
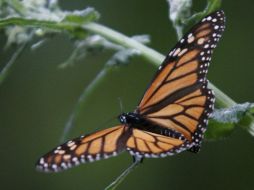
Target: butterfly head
(124,118)
(129,118)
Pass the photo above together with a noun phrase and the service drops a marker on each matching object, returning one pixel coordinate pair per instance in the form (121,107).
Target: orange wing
(99,145)
(151,145)
(178,97)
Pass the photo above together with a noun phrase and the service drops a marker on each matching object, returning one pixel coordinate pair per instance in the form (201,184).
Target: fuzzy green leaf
(211,6)
(82,17)
(178,12)
(217,130)
(225,120)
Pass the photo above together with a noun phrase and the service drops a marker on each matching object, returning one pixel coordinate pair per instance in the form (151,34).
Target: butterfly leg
(137,159)
(195,148)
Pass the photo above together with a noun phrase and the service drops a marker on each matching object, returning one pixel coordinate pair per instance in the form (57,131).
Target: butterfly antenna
(121,104)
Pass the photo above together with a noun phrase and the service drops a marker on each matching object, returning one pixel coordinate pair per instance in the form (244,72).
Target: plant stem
(83,97)
(222,100)
(148,53)
(120,178)
(4,72)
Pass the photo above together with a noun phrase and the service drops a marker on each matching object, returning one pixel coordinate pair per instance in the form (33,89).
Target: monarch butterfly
(171,117)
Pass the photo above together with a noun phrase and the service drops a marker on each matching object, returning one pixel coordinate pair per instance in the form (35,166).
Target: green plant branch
(149,54)
(53,25)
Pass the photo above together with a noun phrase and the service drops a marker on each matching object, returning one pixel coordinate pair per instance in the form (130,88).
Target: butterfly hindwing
(152,145)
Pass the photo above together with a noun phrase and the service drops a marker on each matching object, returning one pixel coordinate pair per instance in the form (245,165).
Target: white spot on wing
(182,52)
(214,20)
(209,18)
(201,41)
(216,27)
(176,52)
(191,39)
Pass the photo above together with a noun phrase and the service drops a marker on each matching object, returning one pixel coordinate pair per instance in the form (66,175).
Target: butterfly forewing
(100,145)
(178,97)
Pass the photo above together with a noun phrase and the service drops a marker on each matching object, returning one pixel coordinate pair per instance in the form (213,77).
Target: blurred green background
(37,98)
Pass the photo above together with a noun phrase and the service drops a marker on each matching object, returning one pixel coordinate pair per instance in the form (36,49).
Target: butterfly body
(136,120)
(171,117)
